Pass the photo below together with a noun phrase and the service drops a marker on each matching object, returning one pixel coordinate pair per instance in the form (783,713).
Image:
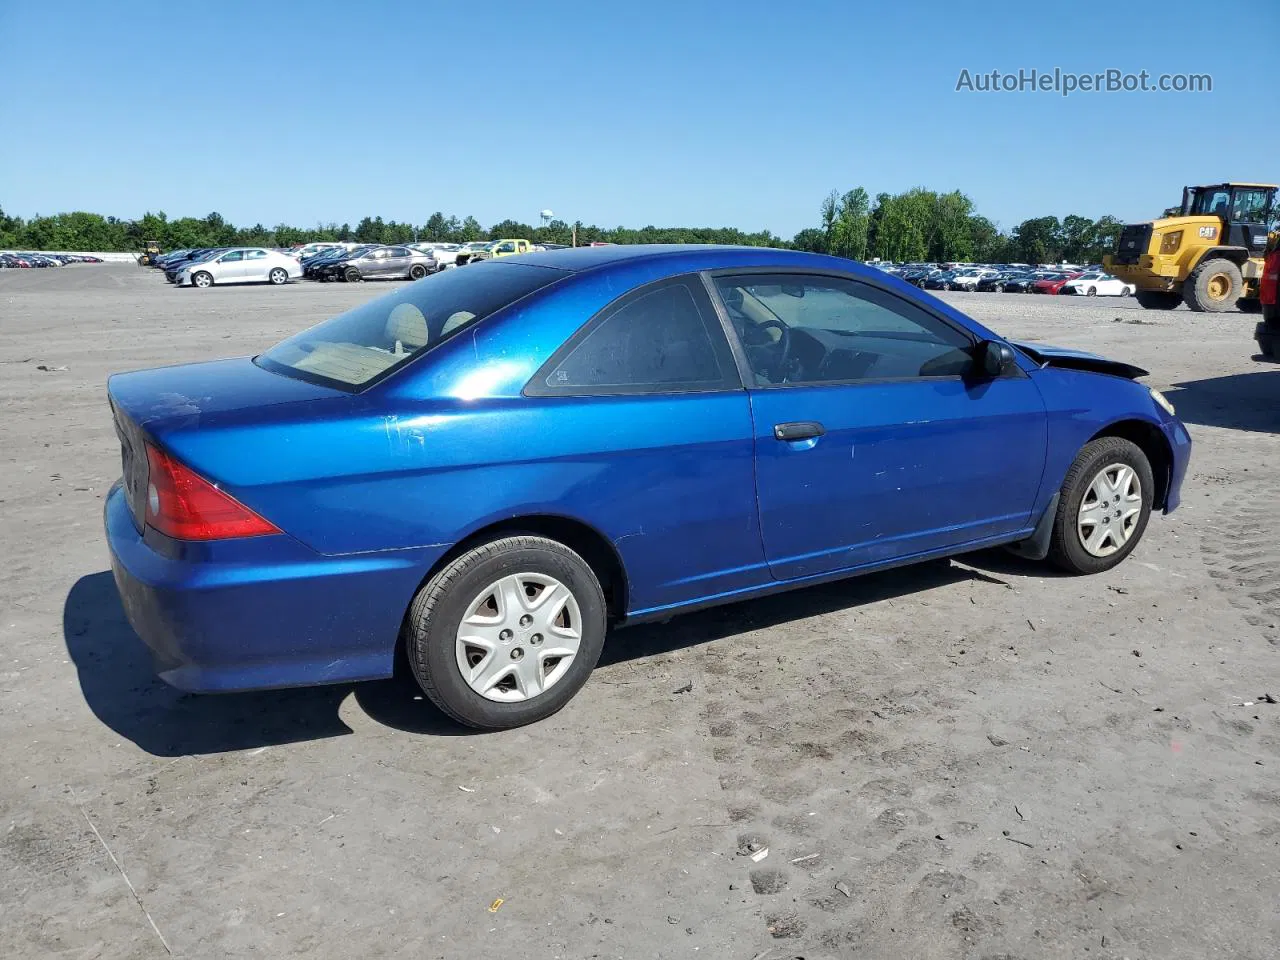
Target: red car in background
(1053,283)
(1269,290)
(1267,333)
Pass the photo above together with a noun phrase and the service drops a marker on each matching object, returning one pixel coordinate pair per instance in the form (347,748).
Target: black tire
(1066,550)
(278,276)
(351,275)
(1196,288)
(1124,291)
(1091,292)
(417,272)
(437,610)
(1271,314)
(1265,334)
(202,278)
(1157,300)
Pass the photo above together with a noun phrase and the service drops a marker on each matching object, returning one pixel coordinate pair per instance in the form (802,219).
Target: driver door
(873,440)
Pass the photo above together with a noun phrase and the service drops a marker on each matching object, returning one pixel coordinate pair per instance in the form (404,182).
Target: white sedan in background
(1097,284)
(241,265)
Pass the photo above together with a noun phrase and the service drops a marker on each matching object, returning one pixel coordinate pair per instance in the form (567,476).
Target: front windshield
(366,343)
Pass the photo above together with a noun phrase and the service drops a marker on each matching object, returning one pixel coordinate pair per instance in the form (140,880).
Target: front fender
(1083,405)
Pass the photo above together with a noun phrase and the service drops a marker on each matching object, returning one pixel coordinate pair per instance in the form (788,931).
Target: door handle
(798,430)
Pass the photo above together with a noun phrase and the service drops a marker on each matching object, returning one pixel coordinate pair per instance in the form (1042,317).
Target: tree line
(917,225)
(923,226)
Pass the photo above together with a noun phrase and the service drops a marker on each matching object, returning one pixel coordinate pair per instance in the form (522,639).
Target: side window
(255,255)
(1250,206)
(507,248)
(397,252)
(233,257)
(663,338)
(801,329)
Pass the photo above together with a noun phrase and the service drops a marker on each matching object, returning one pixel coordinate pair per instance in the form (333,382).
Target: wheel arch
(582,538)
(1150,439)
(1237,255)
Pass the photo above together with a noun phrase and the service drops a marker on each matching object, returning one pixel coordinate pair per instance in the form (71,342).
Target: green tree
(1038,240)
(436,228)
(847,233)
(811,239)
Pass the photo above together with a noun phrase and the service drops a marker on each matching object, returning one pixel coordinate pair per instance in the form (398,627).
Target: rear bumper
(261,612)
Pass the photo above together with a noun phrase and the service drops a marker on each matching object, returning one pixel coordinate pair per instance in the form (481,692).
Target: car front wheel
(1104,506)
(507,633)
(202,279)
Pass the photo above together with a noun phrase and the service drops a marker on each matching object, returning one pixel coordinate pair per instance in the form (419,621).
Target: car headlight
(1170,242)
(1161,399)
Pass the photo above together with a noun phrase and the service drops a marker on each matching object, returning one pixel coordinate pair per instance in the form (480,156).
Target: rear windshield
(366,343)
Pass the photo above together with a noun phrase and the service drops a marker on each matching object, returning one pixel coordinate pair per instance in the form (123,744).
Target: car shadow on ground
(1242,401)
(120,686)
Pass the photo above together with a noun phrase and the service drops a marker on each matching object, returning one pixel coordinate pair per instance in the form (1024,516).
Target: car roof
(686,256)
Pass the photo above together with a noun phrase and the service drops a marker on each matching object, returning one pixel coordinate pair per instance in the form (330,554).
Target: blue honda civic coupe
(484,470)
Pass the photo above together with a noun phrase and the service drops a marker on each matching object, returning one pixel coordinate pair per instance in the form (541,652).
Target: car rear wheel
(202,279)
(1091,292)
(1104,506)
(278,276)
(507,633)
(417,272)
(351,275)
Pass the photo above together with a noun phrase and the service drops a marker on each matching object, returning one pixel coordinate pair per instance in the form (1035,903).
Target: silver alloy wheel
(202,280)
(1110,510)
(278,275)
(518,638)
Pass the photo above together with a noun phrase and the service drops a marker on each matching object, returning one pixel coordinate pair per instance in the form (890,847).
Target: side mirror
(992,359)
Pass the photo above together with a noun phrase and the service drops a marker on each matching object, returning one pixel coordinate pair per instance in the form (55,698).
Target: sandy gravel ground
(970,759)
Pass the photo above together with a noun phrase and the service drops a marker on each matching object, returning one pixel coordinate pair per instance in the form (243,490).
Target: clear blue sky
(738,113)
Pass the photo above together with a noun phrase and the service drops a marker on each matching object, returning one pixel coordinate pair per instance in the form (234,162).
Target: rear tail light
(184,505)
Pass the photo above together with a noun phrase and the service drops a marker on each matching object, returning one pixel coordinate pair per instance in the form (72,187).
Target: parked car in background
(968,279)
(307,250)
(459,472)
(444,254)
(241,265)
(1096,283)
(994,282)
(468,250)
(316,261)
(917,275)
(173,268)
(495,249)
(1052,283)
(379,263)
(938,280)
(1021,283)
(13,261)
